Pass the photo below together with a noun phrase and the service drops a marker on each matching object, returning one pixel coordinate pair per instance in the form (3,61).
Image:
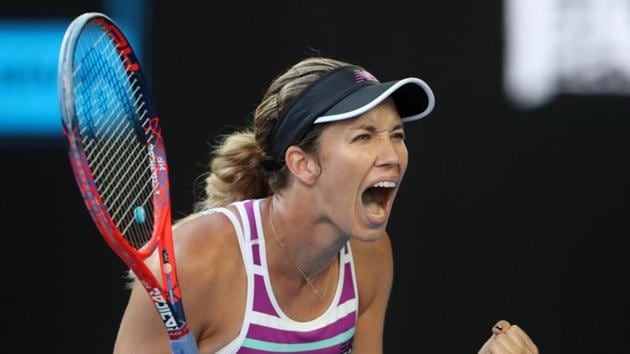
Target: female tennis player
(289,251)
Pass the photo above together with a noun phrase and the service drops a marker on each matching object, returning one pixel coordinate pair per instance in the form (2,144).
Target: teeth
(385,184)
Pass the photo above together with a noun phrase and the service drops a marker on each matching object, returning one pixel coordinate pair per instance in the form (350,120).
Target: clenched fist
(508,339)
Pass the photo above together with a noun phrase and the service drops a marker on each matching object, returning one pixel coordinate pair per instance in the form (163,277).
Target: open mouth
(376,198)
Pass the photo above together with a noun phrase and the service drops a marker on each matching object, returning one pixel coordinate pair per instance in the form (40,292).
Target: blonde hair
(235,172)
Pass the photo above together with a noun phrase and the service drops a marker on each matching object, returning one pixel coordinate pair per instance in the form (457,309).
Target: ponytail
(235,172)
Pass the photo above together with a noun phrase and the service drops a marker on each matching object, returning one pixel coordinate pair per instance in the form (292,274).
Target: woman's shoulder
(373,266)
(371,253)
(204,232)
(209,267)
(204,240)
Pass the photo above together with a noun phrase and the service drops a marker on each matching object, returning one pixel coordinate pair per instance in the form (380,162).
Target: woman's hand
(508,339)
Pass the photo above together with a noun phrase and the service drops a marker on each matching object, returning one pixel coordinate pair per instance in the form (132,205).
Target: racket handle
(184,345)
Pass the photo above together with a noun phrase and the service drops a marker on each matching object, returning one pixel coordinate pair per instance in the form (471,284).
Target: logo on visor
(361,76)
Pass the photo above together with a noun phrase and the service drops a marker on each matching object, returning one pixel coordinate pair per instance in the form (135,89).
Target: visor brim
(414,99)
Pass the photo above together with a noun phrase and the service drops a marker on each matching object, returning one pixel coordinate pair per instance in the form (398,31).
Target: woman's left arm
(375,271)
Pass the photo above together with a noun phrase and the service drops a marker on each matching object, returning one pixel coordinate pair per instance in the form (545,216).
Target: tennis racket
(117,155)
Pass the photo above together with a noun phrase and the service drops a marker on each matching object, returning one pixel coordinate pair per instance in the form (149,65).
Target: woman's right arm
(141,330)
(199,246)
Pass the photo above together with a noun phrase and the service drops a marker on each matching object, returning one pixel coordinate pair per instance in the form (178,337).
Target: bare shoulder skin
(213,283)
(374,270)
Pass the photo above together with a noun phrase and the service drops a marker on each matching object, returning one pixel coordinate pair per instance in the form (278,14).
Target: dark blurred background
(507,212)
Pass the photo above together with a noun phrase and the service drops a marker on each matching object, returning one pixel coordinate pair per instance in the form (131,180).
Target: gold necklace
(283,247)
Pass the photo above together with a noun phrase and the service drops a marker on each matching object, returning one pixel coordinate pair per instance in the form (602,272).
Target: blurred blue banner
(28,77)
(29,51)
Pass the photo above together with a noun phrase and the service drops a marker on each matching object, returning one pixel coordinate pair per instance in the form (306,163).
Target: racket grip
(184,345)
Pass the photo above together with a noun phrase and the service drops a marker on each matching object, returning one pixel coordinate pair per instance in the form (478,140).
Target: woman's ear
(303,166)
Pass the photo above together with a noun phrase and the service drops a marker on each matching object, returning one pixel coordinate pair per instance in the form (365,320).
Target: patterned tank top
(266,328)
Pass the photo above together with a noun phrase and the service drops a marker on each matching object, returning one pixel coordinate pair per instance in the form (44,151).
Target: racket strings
(115,135)
(98,154)
(113,121)
(121,135)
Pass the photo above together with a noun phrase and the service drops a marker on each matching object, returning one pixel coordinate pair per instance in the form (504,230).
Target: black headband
(298,118)
(342,93)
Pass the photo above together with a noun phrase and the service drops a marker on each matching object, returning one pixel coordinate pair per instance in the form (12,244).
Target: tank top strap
(240,235)
(246,232)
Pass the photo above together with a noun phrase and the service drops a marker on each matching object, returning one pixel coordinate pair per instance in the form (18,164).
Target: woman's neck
(297,228)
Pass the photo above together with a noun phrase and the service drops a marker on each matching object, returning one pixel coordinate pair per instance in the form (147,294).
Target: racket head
(113,133)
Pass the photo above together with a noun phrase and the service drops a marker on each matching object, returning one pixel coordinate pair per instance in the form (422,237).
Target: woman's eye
(362,137)
(399,136)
